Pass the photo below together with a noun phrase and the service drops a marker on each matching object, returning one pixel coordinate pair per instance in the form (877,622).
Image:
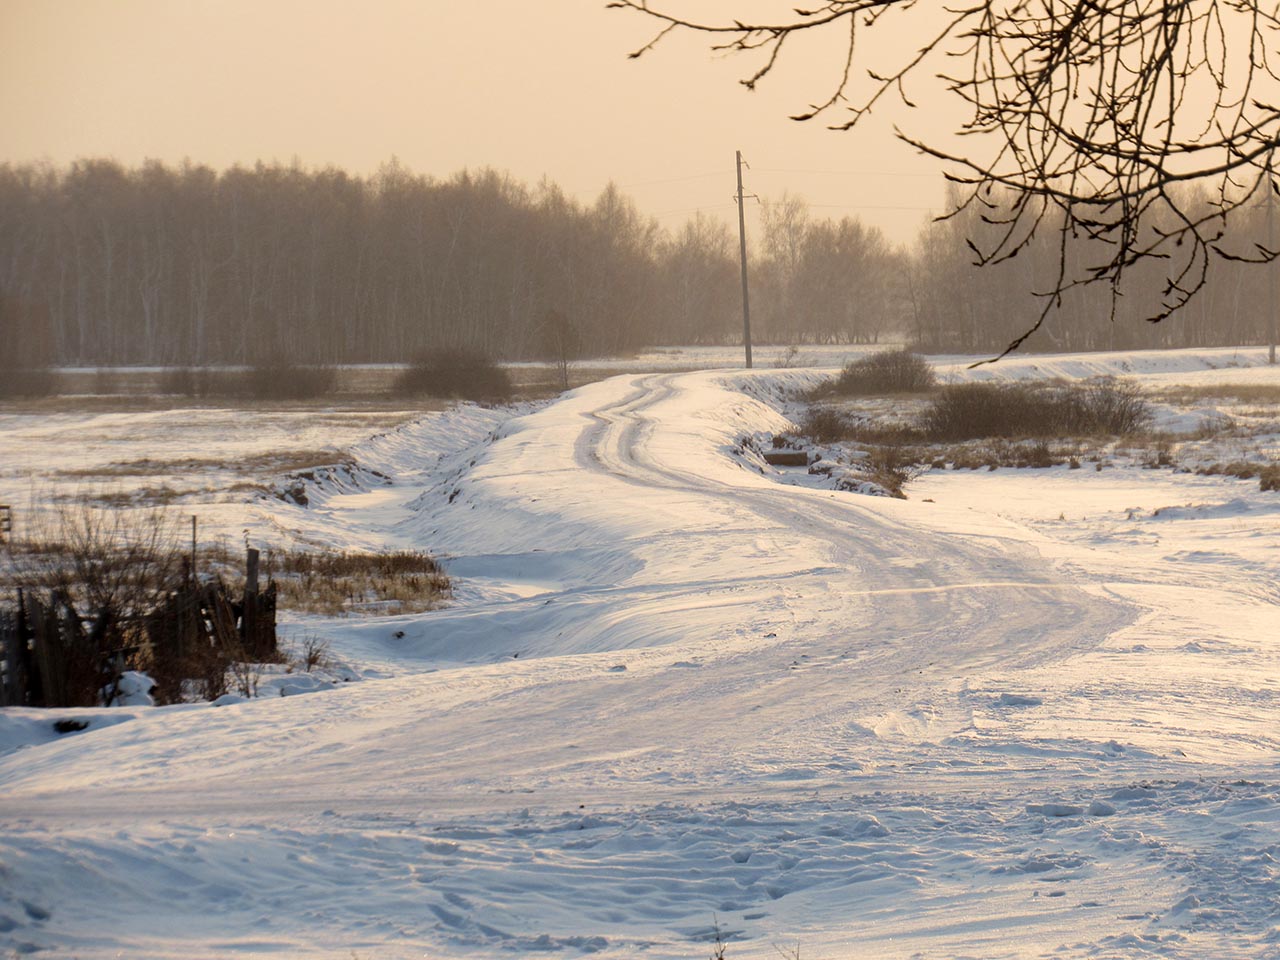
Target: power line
(817,206)
(867,206)
(849,173)
(654,183)
(716,206)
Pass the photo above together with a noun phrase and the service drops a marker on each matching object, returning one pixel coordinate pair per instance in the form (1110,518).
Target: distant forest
(103,264)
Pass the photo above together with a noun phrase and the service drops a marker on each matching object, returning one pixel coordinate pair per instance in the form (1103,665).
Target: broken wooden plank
(786,458)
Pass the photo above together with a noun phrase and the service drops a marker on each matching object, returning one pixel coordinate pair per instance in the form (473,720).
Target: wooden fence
(53,656)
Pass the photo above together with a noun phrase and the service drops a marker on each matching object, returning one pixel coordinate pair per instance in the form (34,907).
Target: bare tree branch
(1095,111)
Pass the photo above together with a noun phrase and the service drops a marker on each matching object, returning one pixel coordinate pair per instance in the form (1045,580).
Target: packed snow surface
(1024,714)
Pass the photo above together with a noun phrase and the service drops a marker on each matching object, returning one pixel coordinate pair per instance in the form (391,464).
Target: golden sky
(535,87)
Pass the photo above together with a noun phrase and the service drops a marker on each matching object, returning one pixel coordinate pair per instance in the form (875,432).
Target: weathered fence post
(13,687)
(38,623)
(249,633)
(23,650)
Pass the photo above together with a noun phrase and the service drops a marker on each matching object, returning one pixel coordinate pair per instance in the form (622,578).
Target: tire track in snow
(856,535)
(918,612)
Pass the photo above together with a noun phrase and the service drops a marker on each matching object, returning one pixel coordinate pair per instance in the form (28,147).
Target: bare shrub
(247,675)
(889,371)
(788,358)
(313,653)
(968,411)
(465,374)
(825,425)
(892,468)
(1107,405)
(1269,477)
(103,559)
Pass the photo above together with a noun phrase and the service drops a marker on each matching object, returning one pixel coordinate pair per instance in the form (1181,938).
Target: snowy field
(1023,714)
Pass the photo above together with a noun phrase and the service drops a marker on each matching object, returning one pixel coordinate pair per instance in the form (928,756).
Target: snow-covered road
(677,693)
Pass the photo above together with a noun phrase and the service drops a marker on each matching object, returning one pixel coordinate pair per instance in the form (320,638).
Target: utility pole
(1271,267)
(742,245)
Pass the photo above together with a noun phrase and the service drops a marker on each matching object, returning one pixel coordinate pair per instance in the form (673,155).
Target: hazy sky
(535,87)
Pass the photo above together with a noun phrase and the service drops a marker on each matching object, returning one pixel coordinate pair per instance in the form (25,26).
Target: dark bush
(184,381)
(889,371)
(204,381)
(825,425)
(465,374)
(281,380)
(1112,406)
(26,349)
(107,382)
(26,382)
(830,425)
(969,411)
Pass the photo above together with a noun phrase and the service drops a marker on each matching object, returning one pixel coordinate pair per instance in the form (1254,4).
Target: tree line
(185,265)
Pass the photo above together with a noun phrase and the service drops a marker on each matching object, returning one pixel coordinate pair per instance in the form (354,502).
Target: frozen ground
(1034,717)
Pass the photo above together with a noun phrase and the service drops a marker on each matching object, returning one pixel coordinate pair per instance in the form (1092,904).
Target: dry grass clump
(464,374)
(1268,474)
(889,371)
(336,582)
(1156,454)
(995,453)
(1240,469)
(1186,395)
(151,496)
(281,380)
(276,461)
(332,583)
